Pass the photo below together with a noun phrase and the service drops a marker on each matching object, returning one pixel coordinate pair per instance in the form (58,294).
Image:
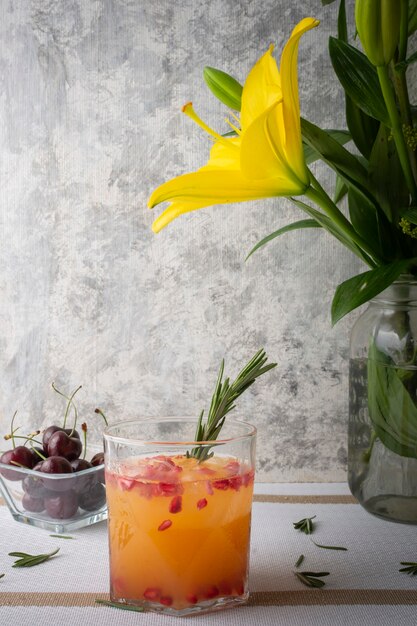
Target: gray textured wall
(90,102)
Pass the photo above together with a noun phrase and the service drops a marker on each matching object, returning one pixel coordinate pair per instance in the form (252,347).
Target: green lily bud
(224,87)
(378,26)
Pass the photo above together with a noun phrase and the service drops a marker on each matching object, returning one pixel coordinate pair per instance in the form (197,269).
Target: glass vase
(382,456)
(179,514)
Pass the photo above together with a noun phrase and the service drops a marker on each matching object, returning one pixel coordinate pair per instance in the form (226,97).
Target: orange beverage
(179,531)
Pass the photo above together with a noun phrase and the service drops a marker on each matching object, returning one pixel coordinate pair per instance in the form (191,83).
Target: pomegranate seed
(247,479)
(168,489)
(211,592)
(165,524)
(152,593)
(191,598)
(221,484)
(201,504)
(206,470)
(167,600)
(240,589)
(232,467)
(209,488)
(126,484)
(175,505)
(236,482)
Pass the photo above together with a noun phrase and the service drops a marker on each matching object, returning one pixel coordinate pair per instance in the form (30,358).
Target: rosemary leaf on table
(312,579)
(1,575)
(62,536)
(411,568)
(120,605)
(319,545)
(305,525)
(29,560)
(223,401)
(299,560)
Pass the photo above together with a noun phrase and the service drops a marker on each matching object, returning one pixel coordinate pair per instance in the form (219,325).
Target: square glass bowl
(55,502)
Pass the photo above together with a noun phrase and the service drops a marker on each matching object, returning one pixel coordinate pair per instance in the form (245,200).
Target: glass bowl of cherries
(46,479)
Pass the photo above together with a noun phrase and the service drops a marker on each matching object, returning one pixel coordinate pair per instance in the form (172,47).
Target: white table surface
(364,585)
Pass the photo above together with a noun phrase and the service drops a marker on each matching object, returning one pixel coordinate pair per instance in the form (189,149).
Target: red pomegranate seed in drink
(209,488)
(222,484)
(191,598)
(152,593)
(167,600)
(126,484)
(240,589)
(211,592)
(175,505)
(165,524)
(247,478)
(236,482)
(201,504)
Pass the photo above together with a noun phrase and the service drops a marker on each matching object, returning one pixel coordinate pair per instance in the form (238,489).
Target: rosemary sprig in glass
(223,401)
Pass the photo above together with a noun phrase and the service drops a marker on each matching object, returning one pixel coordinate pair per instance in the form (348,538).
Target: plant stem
(320,197)
(396,128)
(399,69)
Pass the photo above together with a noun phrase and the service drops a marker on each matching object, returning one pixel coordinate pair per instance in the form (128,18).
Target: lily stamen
(188,109)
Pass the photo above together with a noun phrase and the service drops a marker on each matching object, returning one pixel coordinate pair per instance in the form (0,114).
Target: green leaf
(327,223)
(364,218)
(410,214)
(340,190)
(362,127)
(359,79)
(281,231)
(299,560)
(386,176)
(324,2)
(342,32)
(391,408)
(361,288)
(311,154)
(372,224)
(226,88)
(335,155)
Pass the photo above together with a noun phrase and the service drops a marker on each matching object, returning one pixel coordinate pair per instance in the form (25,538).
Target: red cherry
(62,506)
(34,505)
(56,465)
(61,444)
(94,498)
(19,456)
(83,482)
(51,430)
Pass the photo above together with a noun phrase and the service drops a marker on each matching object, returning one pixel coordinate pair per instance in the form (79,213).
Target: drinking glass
(179,514)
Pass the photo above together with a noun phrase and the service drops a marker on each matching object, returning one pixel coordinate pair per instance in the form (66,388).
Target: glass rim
(251,432)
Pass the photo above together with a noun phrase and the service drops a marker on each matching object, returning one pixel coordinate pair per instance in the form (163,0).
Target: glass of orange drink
(179,514)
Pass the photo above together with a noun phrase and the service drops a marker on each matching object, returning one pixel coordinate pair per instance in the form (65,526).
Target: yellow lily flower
(266,157)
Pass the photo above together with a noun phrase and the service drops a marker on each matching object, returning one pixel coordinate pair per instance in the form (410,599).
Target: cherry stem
(84,429)
(70,401)
(38,453)
(100,412)
(13,431)
(29,438)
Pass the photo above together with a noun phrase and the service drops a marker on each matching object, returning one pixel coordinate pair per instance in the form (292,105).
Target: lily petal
(261,90)
(291,104)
